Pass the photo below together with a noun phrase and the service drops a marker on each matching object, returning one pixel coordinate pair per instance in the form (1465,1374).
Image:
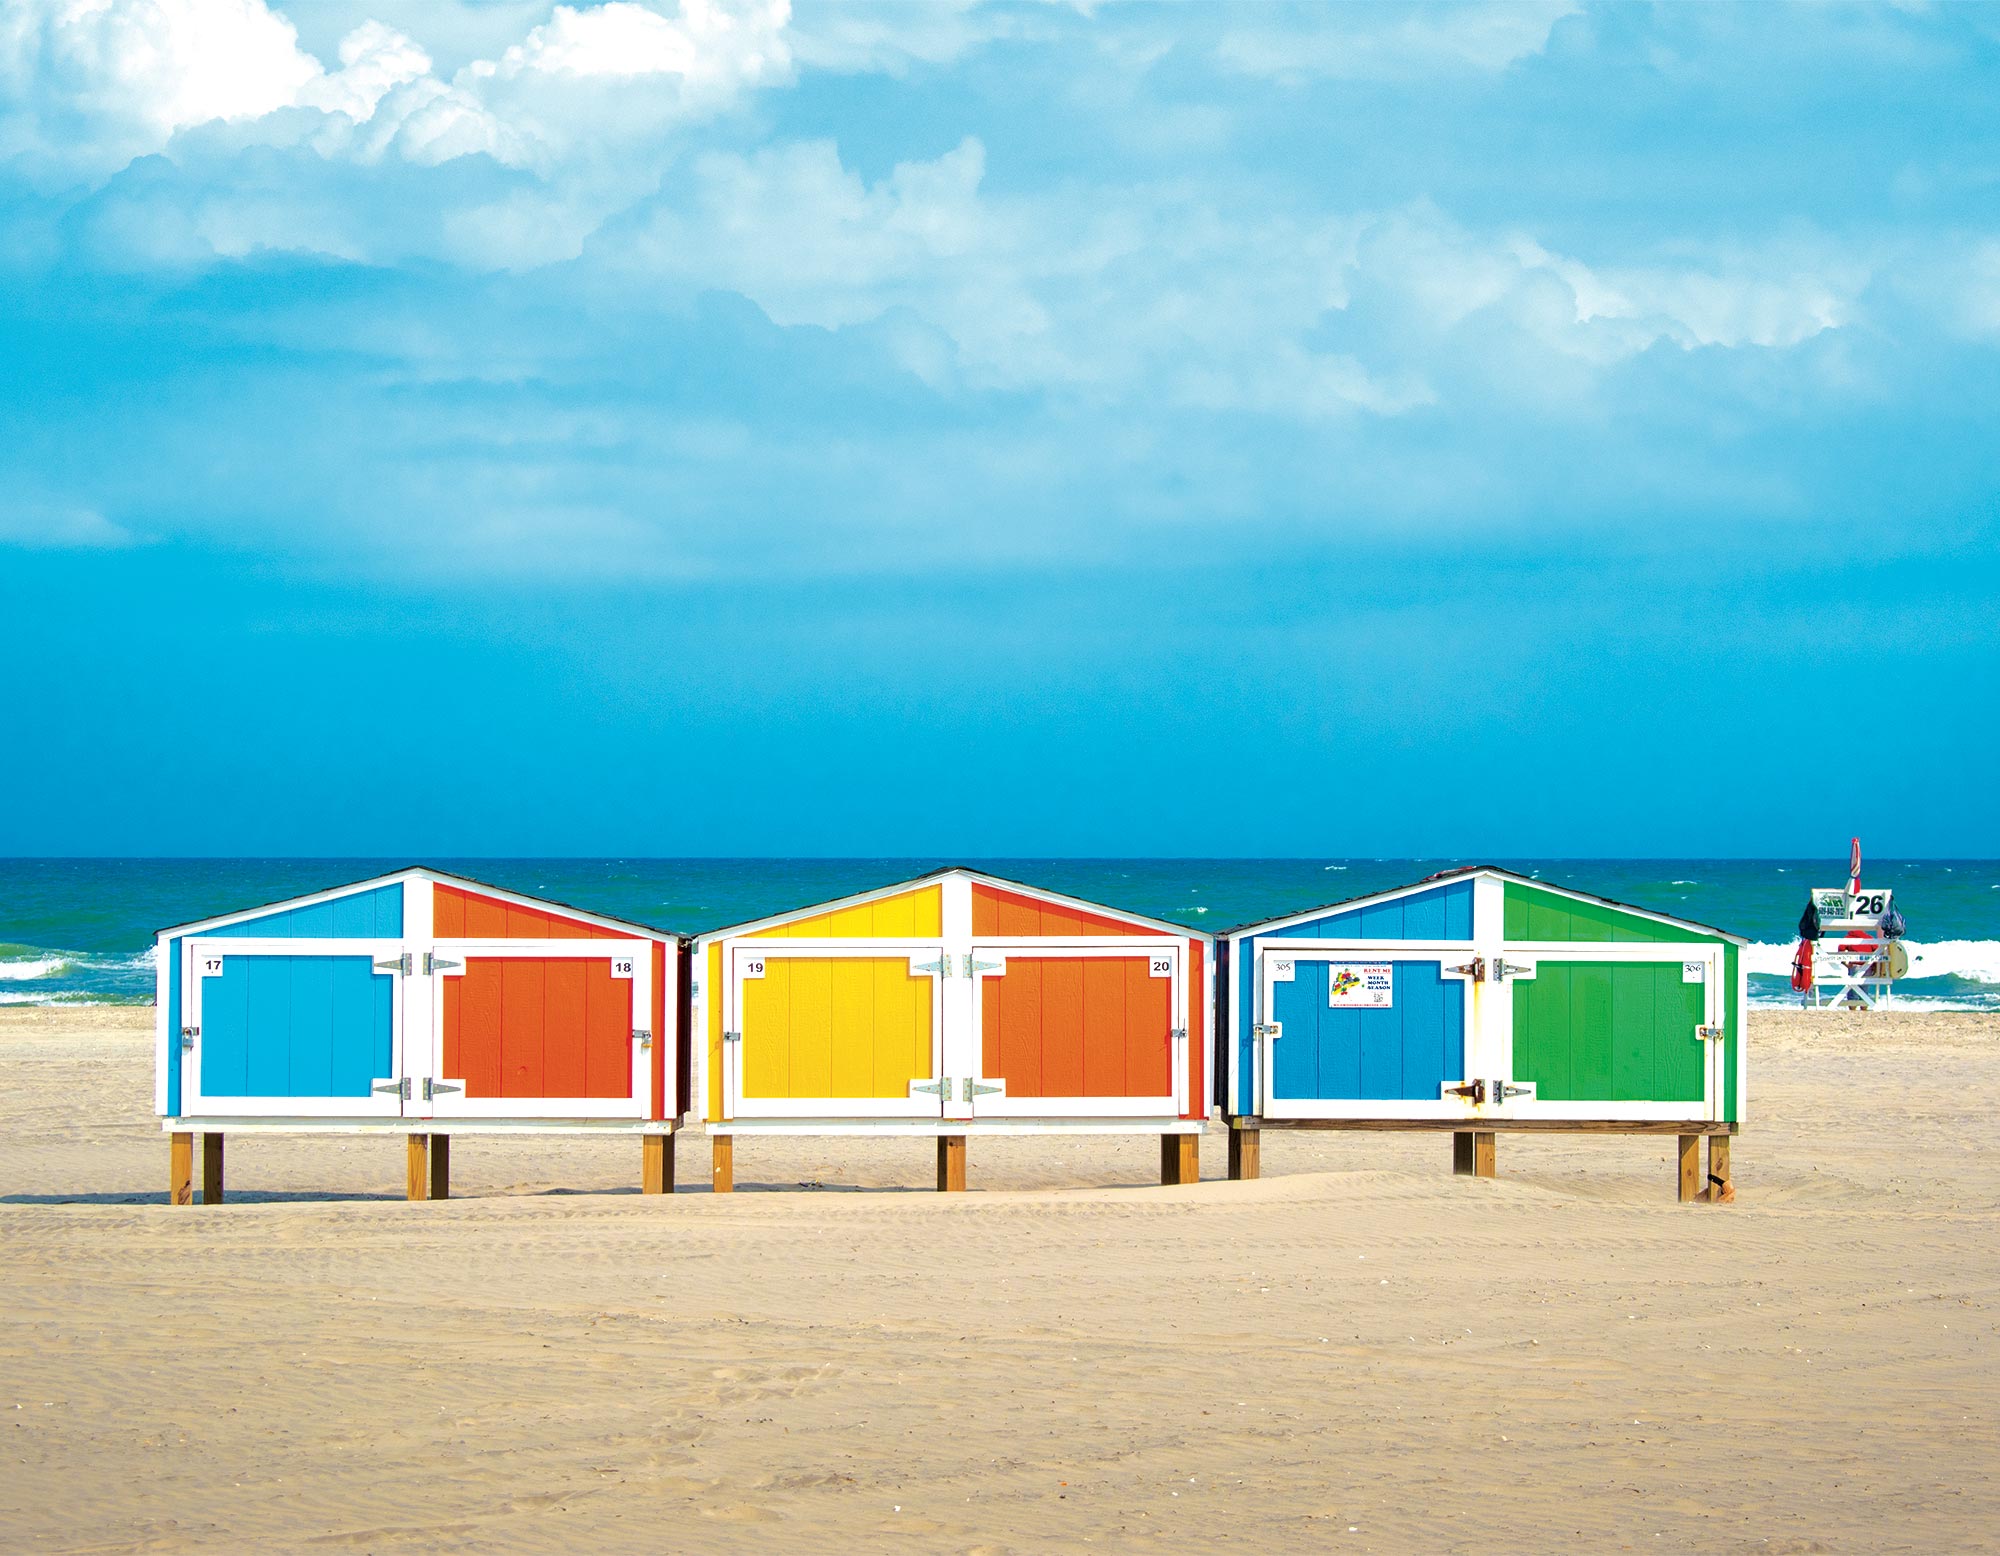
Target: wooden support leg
(211,1169)
(951,1164)
(180,1169)
(417,1176)
(1690,1168)
(1246,1148)
(1180,1159)
(656,1165)
(1721,1187)
(722,1163)
(440,1166)
(1483,1164)
(1461,1154)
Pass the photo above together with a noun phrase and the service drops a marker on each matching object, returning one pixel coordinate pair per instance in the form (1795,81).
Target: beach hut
(1480,1001)
(954,1005)
(421,1004)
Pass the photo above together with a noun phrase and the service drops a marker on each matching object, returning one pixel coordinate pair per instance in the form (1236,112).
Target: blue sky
(461,428)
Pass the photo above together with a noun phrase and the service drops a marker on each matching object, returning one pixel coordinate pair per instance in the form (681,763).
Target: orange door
(1079,1030)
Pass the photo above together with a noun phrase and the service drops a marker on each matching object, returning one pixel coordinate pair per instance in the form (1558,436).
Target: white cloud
(1373,43)
(43,525)
(373,60)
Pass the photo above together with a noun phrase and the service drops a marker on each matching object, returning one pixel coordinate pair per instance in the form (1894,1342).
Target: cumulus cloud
(89,85)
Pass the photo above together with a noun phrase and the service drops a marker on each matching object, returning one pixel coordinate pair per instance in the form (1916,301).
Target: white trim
(1163,1124)
(427,1060)
(194,951)
(166,1042)
(1274,967)
(1742,1038)
(223,1123)
(998,1104)
(737,952)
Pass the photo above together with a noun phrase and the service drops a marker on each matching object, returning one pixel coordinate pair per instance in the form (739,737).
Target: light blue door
(1366,1024)
(284,1030)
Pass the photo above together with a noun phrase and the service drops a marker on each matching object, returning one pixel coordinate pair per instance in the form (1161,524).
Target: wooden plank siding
(1054,1026)
(835,1027)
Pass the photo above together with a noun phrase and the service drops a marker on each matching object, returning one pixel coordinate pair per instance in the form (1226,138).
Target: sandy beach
(1359,1352)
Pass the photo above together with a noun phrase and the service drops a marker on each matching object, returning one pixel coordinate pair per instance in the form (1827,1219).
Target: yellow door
(835,1032)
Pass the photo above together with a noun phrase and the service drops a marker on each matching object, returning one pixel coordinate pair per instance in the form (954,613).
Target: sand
(1358,1353)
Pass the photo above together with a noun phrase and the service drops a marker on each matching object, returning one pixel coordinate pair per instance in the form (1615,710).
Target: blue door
(1361,1031)
(291,1027)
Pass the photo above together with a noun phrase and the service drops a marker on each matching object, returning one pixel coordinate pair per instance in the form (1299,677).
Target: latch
(1474,969)
(732,1037)
(642,1037)
(1179,1034)
(396,964)
(1709,1034)
(435,1088)
(438,964)
(401,1088)
(188,1035)
(1267,1029)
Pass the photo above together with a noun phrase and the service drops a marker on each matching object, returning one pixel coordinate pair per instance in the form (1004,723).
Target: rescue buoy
(1802,967)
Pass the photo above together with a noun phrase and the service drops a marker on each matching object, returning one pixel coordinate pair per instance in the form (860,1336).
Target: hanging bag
(1809,922)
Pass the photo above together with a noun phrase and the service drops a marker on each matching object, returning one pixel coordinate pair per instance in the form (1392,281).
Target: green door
(1599,1027)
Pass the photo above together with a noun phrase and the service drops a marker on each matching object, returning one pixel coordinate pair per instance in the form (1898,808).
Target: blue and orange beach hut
(422,1004)
(953,1005)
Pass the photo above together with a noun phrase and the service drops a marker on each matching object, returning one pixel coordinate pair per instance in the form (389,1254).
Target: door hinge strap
(438,964)
(396,964)
(1474,969)
(932,1088)
(401,1088)
(434,1088)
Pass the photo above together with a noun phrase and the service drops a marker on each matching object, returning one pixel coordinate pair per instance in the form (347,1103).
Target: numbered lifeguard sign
(1361,985)
(1837,905)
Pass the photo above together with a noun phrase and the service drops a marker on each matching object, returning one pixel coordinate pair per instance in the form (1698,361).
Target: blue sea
(81,930)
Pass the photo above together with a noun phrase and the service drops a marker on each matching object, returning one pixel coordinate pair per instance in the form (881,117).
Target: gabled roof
(415,873)
(946,872)
(1466,873)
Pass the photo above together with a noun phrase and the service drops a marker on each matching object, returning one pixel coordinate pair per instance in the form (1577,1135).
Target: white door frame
(448,959)
(1275,960)
(1529,954)
(742,959)
(988,1094)
(385,1099)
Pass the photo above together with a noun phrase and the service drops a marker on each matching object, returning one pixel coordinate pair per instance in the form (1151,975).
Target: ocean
(79,931)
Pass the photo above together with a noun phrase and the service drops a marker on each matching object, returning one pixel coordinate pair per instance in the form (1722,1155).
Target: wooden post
(417,1173)
(1461,1154)
(656,1165)
(1483,1163)
(1245,1153)
(1690,1168)
(1721,1187)
(722,1163)
(180,1169)
(1180,1159)
(211,1169)
(951,1164)
(440,1184)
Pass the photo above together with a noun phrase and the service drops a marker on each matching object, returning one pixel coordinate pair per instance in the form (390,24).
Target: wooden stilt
(1483,1163)
(180,1169)
(1690,1168)
(656,1165)
(1721,1187)
(1180,1159)
(1246,1149)
(417,1173)
(211,1169)
(440,1167)
(722,1163)
(1461,1153)
(951,1164)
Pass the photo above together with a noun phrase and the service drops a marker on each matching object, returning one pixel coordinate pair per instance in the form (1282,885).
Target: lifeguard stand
(1851,959)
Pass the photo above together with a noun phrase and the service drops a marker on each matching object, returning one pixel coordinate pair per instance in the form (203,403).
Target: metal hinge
(1709,1034)
(972,966)
(732,1037)
(188,1035)
(972,1088)
(435,1088)
(1473,1091)
(395,964)
(437,964)
(932,1088)
(1502,968)
(642,1037)
(401,1088)
(1500,1091)
(1474,969)
(942,967)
